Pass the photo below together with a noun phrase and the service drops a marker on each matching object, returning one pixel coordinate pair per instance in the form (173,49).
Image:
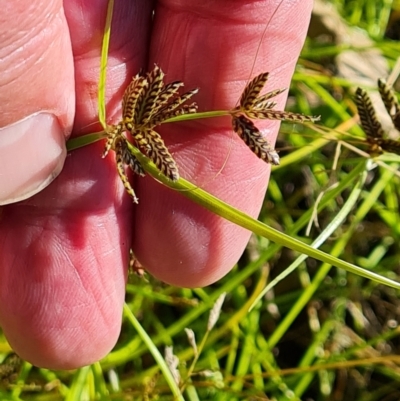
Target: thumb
(37,96)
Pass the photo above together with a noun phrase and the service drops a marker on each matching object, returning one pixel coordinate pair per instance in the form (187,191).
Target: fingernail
(32,154)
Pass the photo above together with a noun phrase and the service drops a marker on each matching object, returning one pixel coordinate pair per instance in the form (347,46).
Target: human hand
(64,252)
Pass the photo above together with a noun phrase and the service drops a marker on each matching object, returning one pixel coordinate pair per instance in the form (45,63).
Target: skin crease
(64,252)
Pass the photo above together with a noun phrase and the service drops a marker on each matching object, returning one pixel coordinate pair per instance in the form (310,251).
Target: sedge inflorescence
(370,123)
(148,102)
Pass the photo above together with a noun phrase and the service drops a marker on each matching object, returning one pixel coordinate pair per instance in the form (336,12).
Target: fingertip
(65,348)
(32,154)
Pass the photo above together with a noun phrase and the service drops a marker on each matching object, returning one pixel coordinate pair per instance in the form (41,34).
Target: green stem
(240,218)
(84,140)
(197,116)
(155,352)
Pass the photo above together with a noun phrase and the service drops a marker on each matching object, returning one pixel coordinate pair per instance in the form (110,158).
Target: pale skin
(64,252)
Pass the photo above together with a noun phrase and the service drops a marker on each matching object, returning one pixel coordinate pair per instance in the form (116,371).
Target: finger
(64,252)
(213,46)
(36,94)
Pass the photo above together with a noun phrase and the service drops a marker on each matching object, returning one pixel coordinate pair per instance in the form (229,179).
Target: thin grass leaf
(156,354)
(103,65)
(325,234)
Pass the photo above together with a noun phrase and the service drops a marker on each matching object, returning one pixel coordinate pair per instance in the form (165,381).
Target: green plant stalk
(195,360)
(240,218)
(103,65)
(156,354)
(79,384)
(84,140)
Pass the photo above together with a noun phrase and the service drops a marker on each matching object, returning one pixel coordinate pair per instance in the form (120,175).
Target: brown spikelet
(139,136)
(113,132)
(130,160)
(161,157)
(147,102)
(254,139)
(252,91)
(390,101)
(177,101)
(169,91)
(279,115)
(121,150)
(139,105)
(263,100)
(131,97)
(389,145)
(184,109)
(369,121)
(155,80)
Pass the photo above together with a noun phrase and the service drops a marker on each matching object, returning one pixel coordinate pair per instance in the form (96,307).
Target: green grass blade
(156,354)
(84,140)
(329,230)
(103,65)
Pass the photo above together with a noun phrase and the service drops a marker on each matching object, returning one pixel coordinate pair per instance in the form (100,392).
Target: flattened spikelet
(132,94)
(263,100)
(254,139)
(113,133)
(161,157)
(254,106)
(389,145)
(120,156)
(169,91)
(280,115)
(177,101)
(184,109)
(252,91)
(155,79)
(140,138)
(390,101)
(138,111)
(130,160)
(370,123)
